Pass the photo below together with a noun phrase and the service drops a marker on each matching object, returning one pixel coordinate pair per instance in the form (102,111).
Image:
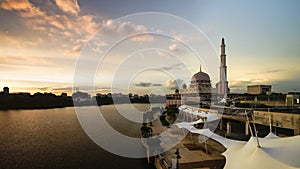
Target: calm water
(53,138)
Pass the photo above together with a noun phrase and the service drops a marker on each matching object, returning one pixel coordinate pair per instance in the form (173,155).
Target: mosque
(200,88)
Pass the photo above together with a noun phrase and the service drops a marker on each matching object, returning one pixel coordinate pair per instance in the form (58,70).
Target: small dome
(200,76)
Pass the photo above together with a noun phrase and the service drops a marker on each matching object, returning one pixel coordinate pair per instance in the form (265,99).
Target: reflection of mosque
(200,88)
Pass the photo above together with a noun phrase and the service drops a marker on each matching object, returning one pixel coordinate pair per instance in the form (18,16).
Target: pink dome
(200,76)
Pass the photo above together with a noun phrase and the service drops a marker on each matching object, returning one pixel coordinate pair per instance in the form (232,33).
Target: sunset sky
(40,42)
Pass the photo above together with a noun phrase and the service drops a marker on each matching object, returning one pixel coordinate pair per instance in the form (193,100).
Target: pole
(191,135)
(177,158)
(249,123)
(205,145)
(270,120)
(258,145)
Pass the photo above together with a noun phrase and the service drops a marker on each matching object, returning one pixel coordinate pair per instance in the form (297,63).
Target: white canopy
(271,136)
(206,132)
(209,116)
(281,153)
(181,107)
(223,100)
(274,153)
(182,124)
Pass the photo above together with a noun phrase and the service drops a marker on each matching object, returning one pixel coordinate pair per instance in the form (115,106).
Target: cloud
(274,71)
(176,48)
(15,5)
(68,88)
(138,32)
(162,53)
(83,24)
(9,40)
(142,37)
(148,84)
(33,85)
(26,61)
(25,8)
(173,48)
(266,72)
(56,24)
(43,88)
(286,86)
(75,50)
(241,85)
(188,37)
(28,10)
(71,31)
(129,27)
(173,67)
(143,84)
(156,85)
(53,24)
(106,88)
(29,43)
(68,34)
(37,19)
(69,6)
(174,84)
(39,28)
(240,82)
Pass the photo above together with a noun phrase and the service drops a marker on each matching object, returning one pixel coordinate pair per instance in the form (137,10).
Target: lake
(54,138)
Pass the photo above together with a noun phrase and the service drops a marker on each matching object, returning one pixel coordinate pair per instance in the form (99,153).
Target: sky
(42,43)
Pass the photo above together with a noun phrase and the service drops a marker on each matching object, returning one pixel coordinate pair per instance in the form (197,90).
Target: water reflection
(53,138)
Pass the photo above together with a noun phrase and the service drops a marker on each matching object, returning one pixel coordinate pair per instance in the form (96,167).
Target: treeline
(107,99)
(38,101)
(49,100)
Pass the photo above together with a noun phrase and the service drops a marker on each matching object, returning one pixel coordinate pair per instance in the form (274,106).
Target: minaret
(223,84)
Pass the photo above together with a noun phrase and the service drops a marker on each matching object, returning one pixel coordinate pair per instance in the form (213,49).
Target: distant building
(81,96)
(64,95)
(292,99)
(173,99)
(259,89)
(6,90)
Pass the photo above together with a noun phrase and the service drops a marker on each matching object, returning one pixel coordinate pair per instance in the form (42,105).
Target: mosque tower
(223,84)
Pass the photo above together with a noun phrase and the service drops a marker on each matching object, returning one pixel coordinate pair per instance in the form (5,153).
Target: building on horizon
(173,99)
(6,90)
(292,99)
(79,96)
(259,89)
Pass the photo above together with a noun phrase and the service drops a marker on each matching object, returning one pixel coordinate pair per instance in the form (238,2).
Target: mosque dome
(200,77)
(200,82)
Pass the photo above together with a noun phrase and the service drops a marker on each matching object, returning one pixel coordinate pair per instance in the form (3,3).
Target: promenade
(193,153)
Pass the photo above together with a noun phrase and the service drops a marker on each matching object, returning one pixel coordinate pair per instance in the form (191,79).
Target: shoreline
(55,107)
